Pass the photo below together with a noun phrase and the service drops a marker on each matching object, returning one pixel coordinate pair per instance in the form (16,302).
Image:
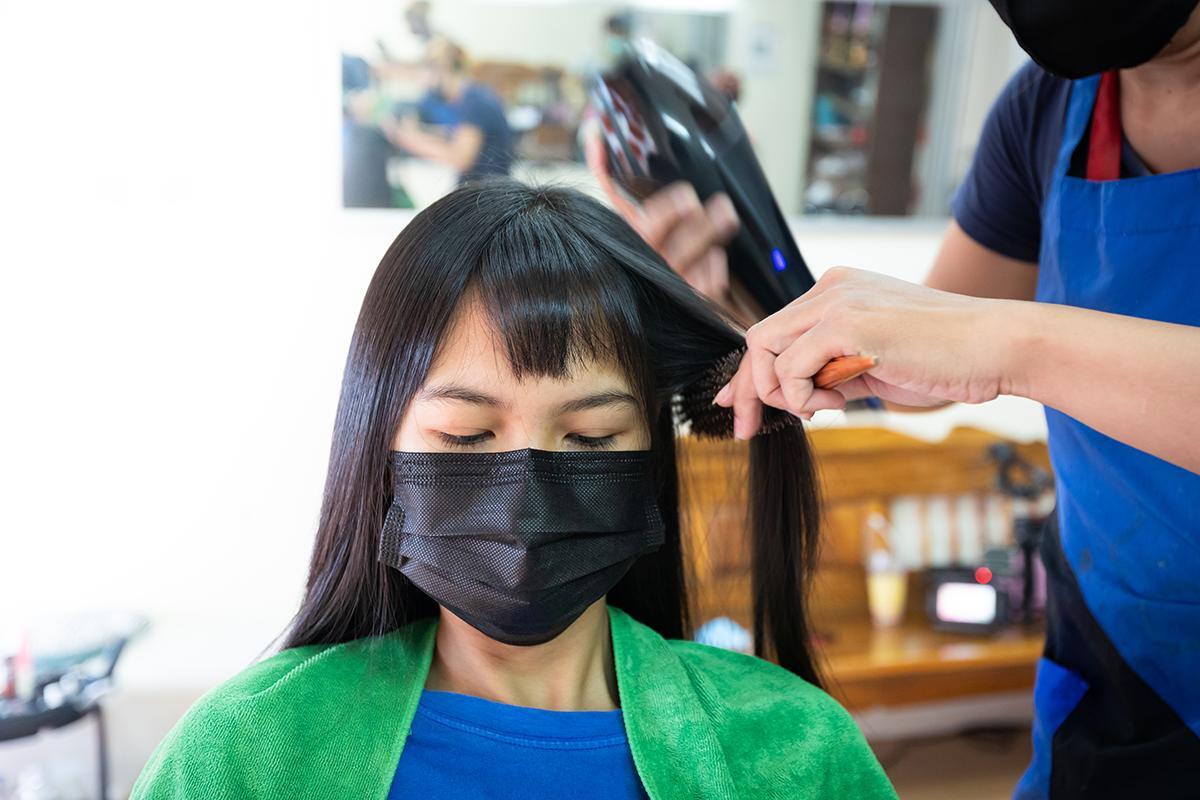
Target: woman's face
(472,402)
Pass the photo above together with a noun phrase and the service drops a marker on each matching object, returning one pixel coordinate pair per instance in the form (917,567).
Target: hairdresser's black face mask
(1076,38)
(519,543)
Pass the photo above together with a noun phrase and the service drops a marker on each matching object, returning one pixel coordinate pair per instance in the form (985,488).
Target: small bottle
(887,581)
(24,678)
(8,686)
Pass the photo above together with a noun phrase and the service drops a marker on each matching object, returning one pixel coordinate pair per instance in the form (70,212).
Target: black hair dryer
(1024,480)
(662,122)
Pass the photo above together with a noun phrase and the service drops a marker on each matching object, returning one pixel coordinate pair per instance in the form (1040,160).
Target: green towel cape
(330,721)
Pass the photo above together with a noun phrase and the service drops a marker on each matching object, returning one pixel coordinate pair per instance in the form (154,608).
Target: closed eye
(464,441)
(577,439)
(596,442)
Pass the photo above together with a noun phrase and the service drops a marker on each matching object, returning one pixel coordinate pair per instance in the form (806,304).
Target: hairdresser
(477,141)
(1070,274)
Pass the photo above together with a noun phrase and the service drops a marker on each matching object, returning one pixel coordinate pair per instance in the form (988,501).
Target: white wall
(993,55)
(179,288)
(562,33)
(773,46)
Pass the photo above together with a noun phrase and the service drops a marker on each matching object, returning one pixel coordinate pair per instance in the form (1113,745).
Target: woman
(497,607)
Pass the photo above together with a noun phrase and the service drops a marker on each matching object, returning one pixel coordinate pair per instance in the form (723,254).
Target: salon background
(181,278)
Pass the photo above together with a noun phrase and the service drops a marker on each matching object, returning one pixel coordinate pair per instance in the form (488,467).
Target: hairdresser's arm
(459,151)
(1135,380)
(964,266)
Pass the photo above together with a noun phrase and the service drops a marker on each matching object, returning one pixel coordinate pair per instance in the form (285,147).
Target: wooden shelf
(913,663)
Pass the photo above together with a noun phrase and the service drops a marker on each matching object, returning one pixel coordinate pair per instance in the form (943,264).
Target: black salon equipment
(1009,585)
(69,681)
(1022,480)
(966,600)
(662,122)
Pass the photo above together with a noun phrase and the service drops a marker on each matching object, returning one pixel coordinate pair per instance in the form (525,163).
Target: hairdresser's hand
(402,131)
(931,347)
(688,234)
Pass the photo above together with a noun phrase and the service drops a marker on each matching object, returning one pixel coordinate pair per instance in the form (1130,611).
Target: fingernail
(722,396)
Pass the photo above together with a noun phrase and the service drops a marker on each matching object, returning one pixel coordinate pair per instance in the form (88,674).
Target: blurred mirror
(854,108)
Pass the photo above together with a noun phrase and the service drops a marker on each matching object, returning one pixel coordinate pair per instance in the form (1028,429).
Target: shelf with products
(871,91)
(861,470)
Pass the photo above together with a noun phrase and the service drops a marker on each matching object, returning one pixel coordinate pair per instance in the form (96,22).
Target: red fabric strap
(1104,141)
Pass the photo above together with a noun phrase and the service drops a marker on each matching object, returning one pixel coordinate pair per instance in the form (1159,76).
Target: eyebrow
(598,400)
(464,394)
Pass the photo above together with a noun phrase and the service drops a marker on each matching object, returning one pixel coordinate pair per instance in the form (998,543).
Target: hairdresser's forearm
(1135,380)
(459,151)
(425,145)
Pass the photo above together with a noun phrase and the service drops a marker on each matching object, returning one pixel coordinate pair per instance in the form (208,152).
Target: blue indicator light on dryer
(778,260)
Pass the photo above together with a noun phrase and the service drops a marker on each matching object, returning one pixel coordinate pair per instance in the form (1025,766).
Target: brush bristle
(695,403)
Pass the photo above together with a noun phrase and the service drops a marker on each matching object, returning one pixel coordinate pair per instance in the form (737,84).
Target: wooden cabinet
(861,471)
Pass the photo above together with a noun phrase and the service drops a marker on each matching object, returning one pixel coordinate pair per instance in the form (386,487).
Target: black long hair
(563,279)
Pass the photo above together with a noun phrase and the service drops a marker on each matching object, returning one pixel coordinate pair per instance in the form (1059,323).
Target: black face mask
(519,543)
(1076,38)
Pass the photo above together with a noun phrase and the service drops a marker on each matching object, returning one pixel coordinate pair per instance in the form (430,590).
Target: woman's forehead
(473,354)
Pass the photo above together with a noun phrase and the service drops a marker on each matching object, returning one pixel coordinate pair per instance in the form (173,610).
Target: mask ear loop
(654,524)
(389,537)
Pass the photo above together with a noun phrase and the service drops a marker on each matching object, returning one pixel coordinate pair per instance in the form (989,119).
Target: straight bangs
(564,282)
(559,303)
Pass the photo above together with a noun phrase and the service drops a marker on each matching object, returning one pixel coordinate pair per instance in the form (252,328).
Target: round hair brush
(707,419)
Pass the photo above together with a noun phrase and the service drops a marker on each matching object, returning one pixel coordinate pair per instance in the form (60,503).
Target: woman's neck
(1160,103)
(572,672)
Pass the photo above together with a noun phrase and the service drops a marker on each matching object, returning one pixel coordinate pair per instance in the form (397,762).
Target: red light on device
(983,575)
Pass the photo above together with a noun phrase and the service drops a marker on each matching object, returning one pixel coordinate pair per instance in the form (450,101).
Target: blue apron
(1117,696)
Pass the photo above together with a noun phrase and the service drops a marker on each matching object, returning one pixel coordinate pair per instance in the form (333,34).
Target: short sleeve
(999,203)
(473,109)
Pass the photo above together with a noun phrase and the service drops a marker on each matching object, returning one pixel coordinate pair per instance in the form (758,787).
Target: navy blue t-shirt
(464,748)
(1000,201)
(479,106)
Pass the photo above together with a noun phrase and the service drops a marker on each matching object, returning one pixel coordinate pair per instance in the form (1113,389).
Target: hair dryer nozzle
(661,122)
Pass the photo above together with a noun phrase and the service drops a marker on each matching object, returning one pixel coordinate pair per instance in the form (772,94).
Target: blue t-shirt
(1000,201)
(462,747)
(479,106)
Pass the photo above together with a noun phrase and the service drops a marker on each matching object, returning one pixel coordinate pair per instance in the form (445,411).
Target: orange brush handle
(842,369)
